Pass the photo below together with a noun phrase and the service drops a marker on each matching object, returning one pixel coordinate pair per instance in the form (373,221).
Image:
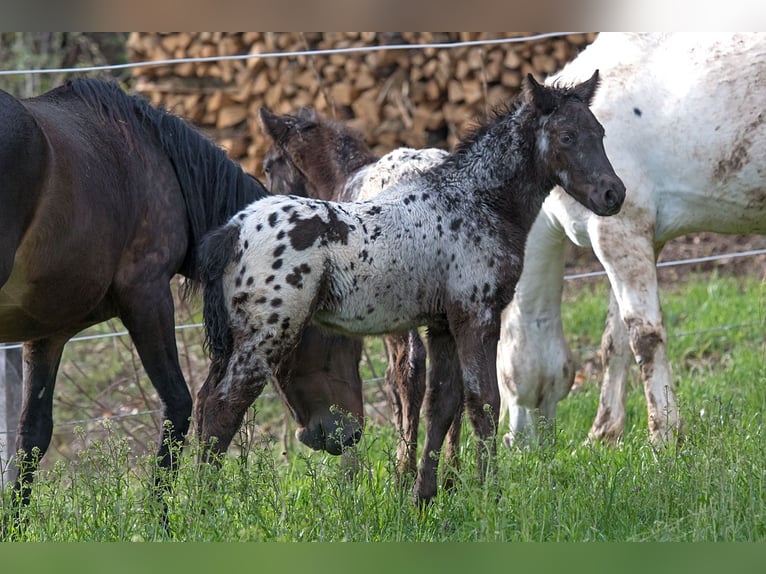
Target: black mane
(214,187)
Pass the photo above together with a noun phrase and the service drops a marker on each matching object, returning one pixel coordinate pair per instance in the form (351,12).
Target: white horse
(684,119)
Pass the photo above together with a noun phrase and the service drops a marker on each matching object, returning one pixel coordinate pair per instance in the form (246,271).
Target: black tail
(215,253)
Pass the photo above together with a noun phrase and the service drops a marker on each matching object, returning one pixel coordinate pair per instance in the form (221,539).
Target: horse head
(312,154)
(570,144)
(324,391)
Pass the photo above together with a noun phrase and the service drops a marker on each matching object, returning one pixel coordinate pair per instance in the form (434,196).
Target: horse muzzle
(607,196)
(332,438)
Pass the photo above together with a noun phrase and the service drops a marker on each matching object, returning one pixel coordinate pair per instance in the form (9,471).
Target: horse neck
(500,168)
(327,181)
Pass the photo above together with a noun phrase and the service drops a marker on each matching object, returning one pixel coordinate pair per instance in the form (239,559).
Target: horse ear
(308,114)
(538,95)
(276,126)
(587,89)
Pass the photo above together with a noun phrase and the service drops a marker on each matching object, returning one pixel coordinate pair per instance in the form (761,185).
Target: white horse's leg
(534,364)
(616,358)
(626,248)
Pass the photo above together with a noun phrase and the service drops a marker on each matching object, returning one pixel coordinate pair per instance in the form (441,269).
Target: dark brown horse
(313,156)
(103,201)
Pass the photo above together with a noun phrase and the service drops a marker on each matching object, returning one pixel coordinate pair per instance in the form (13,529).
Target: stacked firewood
(416,97)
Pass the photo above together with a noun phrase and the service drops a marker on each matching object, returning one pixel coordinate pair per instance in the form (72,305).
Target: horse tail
(215,253)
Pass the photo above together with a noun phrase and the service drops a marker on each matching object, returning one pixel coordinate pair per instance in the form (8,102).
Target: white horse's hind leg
(616,359)
(628,255)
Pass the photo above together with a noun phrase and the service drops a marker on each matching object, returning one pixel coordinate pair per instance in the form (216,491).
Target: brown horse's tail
(215,253)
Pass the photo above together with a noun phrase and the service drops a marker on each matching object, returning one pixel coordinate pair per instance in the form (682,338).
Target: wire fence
(68,427)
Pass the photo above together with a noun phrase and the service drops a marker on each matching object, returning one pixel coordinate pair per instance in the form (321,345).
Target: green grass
(711,487)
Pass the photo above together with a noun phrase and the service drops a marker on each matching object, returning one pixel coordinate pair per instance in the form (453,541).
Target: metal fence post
(10,407)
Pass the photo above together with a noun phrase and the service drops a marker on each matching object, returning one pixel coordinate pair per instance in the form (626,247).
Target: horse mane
(214,187)
(479,128)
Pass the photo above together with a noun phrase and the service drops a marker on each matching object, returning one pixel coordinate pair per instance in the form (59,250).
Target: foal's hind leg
(405,384)
(226,402)
(442,402)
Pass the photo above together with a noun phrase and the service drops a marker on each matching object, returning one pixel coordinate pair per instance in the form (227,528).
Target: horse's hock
(422,97)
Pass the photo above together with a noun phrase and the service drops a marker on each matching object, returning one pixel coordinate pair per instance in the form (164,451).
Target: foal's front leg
(477,348)
(442,403)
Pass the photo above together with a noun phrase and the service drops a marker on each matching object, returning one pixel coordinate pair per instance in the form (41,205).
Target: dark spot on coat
(273,219)
(269,279)
(276,302)
(239,299)
(273,319)
(455,224)
(305,232)
(279,250)
(277,264)
(637,112)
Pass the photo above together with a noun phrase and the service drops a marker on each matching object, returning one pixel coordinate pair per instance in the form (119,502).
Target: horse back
(684,128)
(82,195)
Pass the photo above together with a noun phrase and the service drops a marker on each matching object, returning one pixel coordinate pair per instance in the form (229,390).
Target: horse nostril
(612,198)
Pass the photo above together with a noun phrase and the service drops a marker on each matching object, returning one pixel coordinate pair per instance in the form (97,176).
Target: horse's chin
(604,210)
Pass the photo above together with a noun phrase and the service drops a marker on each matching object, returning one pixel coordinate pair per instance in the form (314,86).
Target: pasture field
(710,487)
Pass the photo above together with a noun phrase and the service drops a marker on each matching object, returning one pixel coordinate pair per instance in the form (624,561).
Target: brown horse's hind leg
(405,386)
(442,402)
(147,312)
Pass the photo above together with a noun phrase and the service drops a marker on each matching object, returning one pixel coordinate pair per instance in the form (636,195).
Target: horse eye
(566,138)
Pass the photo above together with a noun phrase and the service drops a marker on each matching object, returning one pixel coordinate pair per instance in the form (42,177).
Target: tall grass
(710,487)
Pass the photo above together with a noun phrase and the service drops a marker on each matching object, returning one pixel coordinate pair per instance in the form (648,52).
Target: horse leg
(405,386)
(628,254)
(535,369)
(41,362)
(226,402)
(452,447)
(441,403)
(477,348)
(147,313)
(615,359)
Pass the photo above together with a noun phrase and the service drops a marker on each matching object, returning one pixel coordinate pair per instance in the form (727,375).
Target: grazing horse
(317,157)
(687,134)
(443,248)
(104,199)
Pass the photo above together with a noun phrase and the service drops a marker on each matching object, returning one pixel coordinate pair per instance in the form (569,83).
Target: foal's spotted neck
(496,165)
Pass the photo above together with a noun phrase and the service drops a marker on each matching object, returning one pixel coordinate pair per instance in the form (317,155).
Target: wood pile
(417,97)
